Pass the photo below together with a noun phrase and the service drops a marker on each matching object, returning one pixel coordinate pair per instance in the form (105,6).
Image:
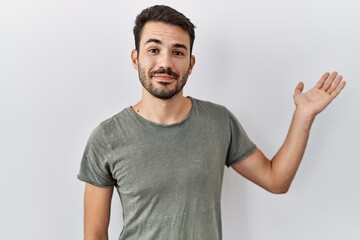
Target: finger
(338,89)
(320,83)
(329,81)
(299,88)
(335,84)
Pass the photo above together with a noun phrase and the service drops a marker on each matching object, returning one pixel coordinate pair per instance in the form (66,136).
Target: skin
(164,46)
(97,204)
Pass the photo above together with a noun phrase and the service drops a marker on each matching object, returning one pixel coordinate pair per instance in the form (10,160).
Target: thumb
(299,88)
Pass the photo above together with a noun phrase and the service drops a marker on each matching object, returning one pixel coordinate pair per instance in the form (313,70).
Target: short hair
(164,14)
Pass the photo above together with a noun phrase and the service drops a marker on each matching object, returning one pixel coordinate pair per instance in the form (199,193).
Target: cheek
(147,64)
(186,68)
(181,65)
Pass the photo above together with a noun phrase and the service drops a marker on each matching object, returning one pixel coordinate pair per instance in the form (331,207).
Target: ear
(192,63)
(134,58)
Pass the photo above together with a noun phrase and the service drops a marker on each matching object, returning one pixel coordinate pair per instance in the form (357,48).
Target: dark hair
(165,14)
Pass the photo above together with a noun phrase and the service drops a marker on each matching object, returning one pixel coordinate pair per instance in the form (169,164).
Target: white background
(65,67)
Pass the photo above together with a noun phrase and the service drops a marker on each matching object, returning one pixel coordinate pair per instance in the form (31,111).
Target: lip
(164,78)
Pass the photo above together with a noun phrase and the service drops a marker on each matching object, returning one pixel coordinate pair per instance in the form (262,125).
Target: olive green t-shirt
(168,177)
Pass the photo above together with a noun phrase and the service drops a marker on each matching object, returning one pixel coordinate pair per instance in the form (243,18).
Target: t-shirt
(168,177)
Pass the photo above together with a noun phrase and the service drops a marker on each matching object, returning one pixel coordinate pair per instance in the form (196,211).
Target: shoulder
(210,107)
(210,110)
(106,129)
(113,123)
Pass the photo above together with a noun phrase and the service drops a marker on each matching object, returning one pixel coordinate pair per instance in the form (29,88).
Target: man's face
(163,61)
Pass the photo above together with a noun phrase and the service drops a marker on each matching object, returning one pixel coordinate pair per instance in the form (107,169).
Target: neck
(162,111)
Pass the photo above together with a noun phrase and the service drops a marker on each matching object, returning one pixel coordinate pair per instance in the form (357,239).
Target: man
(166,154)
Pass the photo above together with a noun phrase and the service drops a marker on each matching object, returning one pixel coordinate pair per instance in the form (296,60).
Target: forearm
(287,160)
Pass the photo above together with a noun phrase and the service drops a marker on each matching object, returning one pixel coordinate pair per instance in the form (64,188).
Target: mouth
(164,78)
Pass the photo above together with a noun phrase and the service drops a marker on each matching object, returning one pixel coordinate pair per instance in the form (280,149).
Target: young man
(166,154)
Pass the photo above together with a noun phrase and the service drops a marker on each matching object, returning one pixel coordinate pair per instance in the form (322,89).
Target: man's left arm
(276,175)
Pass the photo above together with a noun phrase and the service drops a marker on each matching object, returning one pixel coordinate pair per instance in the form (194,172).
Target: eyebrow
(179,45)
(157,41)
(154,40)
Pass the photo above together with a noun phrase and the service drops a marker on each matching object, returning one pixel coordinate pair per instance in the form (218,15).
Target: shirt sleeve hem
(251,150)
(94,183)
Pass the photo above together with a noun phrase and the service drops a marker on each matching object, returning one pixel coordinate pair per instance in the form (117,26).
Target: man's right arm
(97,205)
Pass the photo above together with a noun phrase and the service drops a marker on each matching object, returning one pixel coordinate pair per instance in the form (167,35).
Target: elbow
(279,188)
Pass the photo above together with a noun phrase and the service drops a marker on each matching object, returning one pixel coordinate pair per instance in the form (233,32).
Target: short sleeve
(94,167)
(240,144)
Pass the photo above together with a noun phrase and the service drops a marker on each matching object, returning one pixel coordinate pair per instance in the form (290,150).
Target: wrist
(304,115)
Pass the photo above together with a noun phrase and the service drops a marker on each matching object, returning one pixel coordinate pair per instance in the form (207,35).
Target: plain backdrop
(65,67)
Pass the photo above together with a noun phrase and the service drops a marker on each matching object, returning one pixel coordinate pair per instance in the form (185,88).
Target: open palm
(321,95)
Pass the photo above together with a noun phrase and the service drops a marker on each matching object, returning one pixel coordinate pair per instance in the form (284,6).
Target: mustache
(167,71)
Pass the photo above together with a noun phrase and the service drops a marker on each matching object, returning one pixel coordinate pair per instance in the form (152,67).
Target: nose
(165,60)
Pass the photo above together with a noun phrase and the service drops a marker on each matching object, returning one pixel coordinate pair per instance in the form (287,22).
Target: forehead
(167,33)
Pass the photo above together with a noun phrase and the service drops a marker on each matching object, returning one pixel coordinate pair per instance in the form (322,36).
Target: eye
(153,50)
(178,53)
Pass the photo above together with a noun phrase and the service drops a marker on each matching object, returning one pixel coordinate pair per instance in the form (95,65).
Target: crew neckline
(131,110)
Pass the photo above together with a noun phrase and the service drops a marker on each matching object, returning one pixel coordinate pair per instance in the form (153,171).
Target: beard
(162,92)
